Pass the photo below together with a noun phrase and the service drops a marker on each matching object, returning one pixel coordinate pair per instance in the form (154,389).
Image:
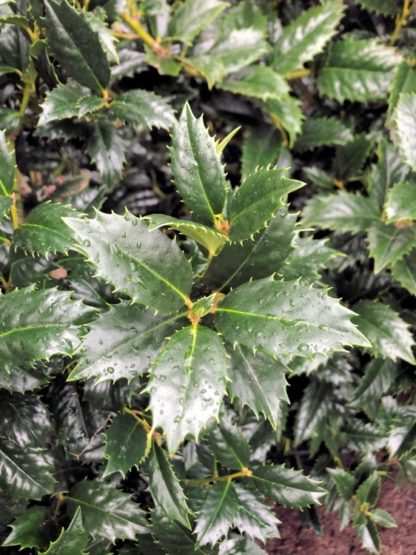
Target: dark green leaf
(322,131)
(38,324)
(344,482)
(286,112)
(384,7)
(108,512)
(198,173)
(187,383)
(404,81)
(29,530)
(257,81)
(125,444)
(106,149)
(404,271)
(174,538)
(230,446)
(144,264)
(382,518)
(7,166)
(192,16)
(405,119)
(165,487)
(288,318)
(389,335)
(262,147)
(70,541)
(76,46)
(143,108)
(401,202)
(122,343)
(388,244)
(369,490)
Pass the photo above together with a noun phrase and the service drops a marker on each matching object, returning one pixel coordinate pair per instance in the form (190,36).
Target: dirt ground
(298,540)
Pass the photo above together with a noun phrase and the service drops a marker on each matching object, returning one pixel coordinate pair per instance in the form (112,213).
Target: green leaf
(401,202)
(68,101)
(107,511)
(259,382)
(388,170)
(287,112)
(239,545)
(197,170)
(122,343)
(307,259)
(262,147)
(318,132)
(369,490)
(76,46)
(286,486)
(106,149)
(388,8)
(344,482)
(192,16)
(404,271)
(257,200)
(233,51)
(389,335)
(208,237)
(237,263)
(70,541)
(144,264)
(29,529)
(143,108)
(358,70)
(7,166)
(125,444)
(388,244)
(313,410)
(257,81)
(187,383)
(165,487)
(369,537)
(174,538)
(378,377)
(5,70)
(350,158)
(306,36)
(230,446)
(98,23)
(404,81)
(217,514)
(382,518)
(38,324)
(286,318)
(5,204)
(25,472)
(341,211)
(43,230)
(405,119)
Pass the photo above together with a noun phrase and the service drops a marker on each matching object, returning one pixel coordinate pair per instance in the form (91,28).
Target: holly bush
(170,371)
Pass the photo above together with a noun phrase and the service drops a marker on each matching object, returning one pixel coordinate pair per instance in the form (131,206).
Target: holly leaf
(389,335)
(197,170)
(68,101)
(341,211)
(237,263)
(388,170)
(286,112)
(38,324)
(125,445)
(358,70)
(404,271)
(401,202)
(257,200)
(172,536)
(388,244)
(25,472)
(259,382)
(29,529)
(306,36)
(145,265)
(344,482)
(144,108)
(106,149)
(7,167)
(43,231)
(122,343)
(286,486)
(230,446)
(286,318)
(312,411)
(318,132)
(388,8)
(187,383)
(257,81)
(107,511)
(229,505)
(75,45)
(405,119)
(165,487)
(70,541)
(5,204)
(191,17)
(262,147)
(206,236)
(404,81)
(382,518)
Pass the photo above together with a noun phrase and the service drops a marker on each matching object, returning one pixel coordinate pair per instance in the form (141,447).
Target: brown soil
(298,540)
